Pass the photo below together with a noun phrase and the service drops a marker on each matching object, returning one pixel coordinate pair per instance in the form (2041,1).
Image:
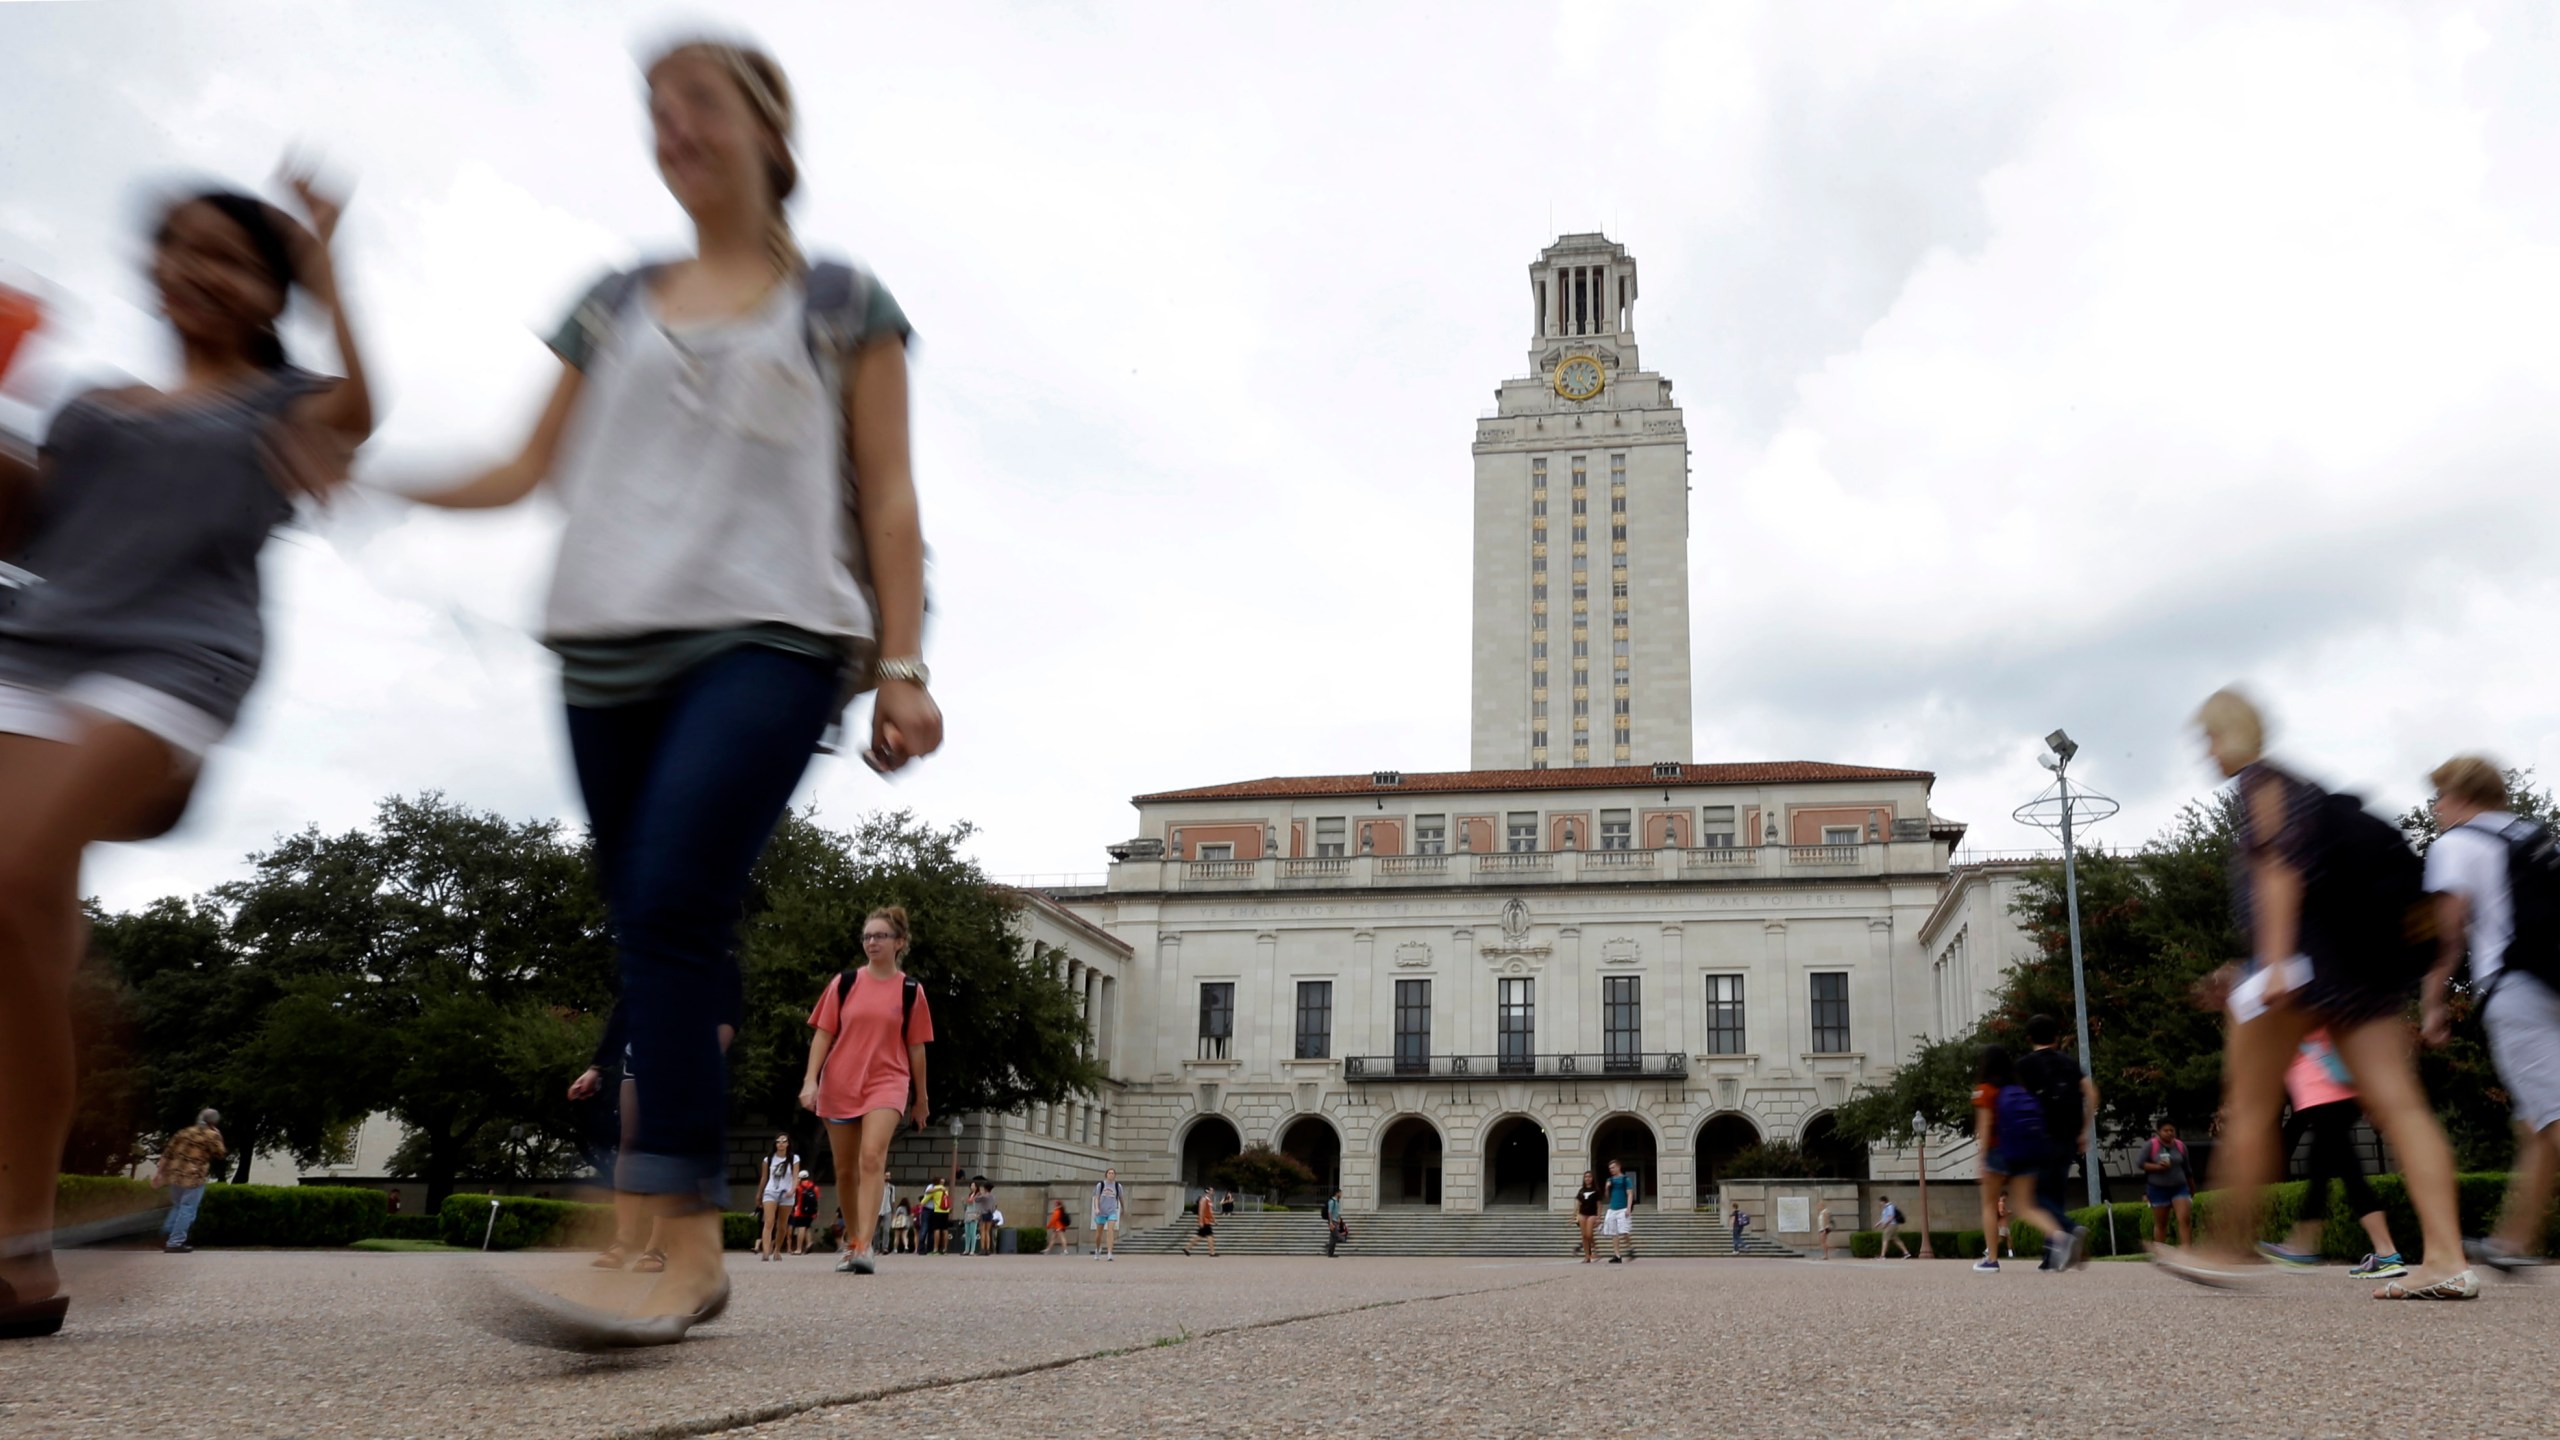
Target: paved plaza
(311,1344)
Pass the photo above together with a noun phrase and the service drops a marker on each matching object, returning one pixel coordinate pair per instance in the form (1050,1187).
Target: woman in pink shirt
(866,1068)
(2324,1103)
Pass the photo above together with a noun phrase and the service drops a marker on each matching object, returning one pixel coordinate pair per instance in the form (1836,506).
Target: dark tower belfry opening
(1582,467)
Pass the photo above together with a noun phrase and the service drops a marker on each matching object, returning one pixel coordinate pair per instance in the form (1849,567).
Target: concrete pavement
(308,1344)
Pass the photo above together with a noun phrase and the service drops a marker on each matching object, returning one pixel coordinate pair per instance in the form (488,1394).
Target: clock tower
(1582,536)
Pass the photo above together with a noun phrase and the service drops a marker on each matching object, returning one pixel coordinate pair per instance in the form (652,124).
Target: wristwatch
(911,669)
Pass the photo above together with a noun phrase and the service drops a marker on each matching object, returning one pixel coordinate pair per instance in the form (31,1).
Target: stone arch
(1313,1141)
(1628,1137)
(1516,1151)
(1208,1140)
(1819,1138)
(1724,1135)
(1410,1152)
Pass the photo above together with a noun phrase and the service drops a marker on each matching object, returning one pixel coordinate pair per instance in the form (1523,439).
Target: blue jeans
(683,790)
(183,1201)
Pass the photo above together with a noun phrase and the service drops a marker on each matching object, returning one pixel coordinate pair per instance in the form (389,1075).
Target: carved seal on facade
(1413,955)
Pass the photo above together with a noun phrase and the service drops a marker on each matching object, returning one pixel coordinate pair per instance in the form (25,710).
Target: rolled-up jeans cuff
(644,1174)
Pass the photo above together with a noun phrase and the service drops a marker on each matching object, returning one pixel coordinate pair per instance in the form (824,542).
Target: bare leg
(2253,1064)
(2380,1059)
(2022,1203)
(771,1242)
(113,781)
(1991,1184)
(2185,1209)
(2378,1230)
(871,1163)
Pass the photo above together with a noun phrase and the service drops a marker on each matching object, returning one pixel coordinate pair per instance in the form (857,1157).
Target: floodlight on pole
(2059,811)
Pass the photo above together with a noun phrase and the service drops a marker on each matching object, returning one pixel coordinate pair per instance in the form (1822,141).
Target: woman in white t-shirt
(731,457)
(781,1173)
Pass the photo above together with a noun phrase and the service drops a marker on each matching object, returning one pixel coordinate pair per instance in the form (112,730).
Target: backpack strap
(906,1003)
(836,294)
(599,315)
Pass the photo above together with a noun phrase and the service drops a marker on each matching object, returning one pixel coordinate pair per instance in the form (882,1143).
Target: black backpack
(2533,890)
(2055,1082)
(906,1001)
(2365,908)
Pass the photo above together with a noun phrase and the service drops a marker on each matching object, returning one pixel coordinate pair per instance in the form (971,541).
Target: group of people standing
(740,555)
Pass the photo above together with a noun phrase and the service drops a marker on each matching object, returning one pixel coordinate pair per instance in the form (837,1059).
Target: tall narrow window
(1831,1012)
(1413,1027)
(1516,1027)
(1330,832)
(1715,829)
(1520,831)
(1621,1022)
(1431,832)
(1217,1018)
(1315,1019)
(1724,1015)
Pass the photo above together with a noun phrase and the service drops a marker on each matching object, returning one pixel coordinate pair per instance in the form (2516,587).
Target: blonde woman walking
(866,1071)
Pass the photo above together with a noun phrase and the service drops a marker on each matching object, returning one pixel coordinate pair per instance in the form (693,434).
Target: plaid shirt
(190,1155)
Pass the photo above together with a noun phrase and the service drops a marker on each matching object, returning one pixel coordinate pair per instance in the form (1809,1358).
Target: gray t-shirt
(147,537)
(2174,1154)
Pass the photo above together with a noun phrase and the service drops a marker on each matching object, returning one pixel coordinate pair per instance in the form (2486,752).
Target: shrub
(1864,1244)
(740,1229)
(295,1216)
(522,1223)
(412,1227)
(79,1199)
(1776,1161)
(1030,1239)
(1261,1170)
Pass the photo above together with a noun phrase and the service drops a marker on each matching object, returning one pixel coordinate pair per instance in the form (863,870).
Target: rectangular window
(1839,834)
(1431,832)
(1330,833)
(1413,1027)
(1516,1027)
(1520,831)
(1724,1015)
(1315,1019)
(1617,830)
(1223,851)
(1217,1018)
(1716,830)
(1831,1013)
(1621,1022)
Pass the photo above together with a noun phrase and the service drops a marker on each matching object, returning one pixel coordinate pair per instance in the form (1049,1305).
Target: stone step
(1423,1232)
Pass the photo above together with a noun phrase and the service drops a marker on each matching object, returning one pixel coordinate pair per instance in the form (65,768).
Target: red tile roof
(1595,777)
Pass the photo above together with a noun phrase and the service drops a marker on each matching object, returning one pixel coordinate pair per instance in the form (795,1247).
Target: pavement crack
(789,1409)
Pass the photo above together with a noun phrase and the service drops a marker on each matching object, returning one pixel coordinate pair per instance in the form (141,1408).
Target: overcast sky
(2043,365)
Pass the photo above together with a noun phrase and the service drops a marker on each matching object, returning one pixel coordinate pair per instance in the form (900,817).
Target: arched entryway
(1719,1140)
(1409,1163)
(1312,1141)
(1210,1142)
(1836,1158)
(1515,1162)
(1629,1141)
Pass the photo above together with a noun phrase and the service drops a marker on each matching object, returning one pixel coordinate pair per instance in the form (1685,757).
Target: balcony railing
(1220,870)
(1498,867)
(1515,862)
(1822,854)
(1413,864)
(1629,1065)
(1617,860)
(1315,867)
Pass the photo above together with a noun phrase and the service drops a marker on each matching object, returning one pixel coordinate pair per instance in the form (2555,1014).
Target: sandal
(650,1262)
(2463,1286)
(613,1258)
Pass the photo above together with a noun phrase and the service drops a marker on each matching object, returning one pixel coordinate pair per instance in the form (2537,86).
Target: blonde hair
(2229,716)
(2474,778)
(768,93)
(896,915)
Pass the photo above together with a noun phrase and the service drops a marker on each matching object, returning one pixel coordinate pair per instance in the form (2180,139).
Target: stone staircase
(1417,1230)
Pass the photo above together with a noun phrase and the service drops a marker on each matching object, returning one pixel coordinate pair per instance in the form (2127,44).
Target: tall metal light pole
(2054,811)
(1920,1123)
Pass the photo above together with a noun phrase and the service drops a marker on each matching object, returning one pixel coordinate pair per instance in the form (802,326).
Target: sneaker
(177,1247)
(1110,1254)
(2379,1267)
(1616,1260)
(1986,1266)
(2081,1246)
(2199,1270)
(2289,1258)
(866,1263)
(845,1266)
(2496,1254)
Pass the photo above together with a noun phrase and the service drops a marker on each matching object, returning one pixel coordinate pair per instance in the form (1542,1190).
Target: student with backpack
(739,555)
(2332,901)
(2068,1097)
(866,1071)
(2009,1143)
(1889,1231)
(2496,880)
(1108,1195)
(1336,1229)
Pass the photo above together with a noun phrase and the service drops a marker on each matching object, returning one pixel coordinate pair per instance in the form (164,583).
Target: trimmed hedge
(301,1217)
(523,1223)
(1864,1244)
(412,1227)
(79,1199)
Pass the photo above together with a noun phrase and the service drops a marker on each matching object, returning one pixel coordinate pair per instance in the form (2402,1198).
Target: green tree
(1777,1160)
(1261,1170)
(1007,1031)
(1935,1083)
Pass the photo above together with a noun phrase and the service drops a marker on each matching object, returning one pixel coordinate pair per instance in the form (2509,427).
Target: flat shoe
(535,1317)
(30,1319)
(2464,1286)
(2186,1267)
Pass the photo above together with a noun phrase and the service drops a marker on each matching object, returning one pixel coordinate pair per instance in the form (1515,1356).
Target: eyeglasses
(877,935)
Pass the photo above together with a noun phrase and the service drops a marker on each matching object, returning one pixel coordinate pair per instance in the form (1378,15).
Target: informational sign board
(1795,1213)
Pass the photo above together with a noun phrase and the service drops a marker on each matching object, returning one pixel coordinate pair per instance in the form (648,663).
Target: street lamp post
(955,1148)
(1920,1124)
(2060,812)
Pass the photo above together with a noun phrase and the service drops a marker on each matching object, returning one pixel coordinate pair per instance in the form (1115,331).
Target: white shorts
(2524,1042)
(1617,1222)
(777,1195)
(61,715)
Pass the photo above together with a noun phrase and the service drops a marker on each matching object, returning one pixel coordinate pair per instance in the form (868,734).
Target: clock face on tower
(1579,377)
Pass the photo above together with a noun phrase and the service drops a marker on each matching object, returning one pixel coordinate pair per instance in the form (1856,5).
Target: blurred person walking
(1057,1228)
(1889,1230)
(2324,1107)
(2496,879)
(2009,1143)
(1207,1214)
(725,582)
(186,1166)
(2067,1097)
(1108,1196)
(2334,906)
(779,1169)
(142,518)
(804,1212)
(1336,1228)
(866,1072)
